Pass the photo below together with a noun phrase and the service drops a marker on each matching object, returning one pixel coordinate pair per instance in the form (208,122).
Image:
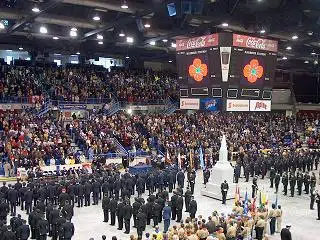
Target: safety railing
(16,100)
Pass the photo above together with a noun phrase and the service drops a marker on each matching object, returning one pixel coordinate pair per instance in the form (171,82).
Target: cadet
(141,223)
(224,191)
(56,228)
(80,193)
(272,218)
(193,208)
(87,193)
(278,213)
(23,231)
(272,176)
(179,208)
(166,217)
(120,213)
(254,186)
(299,183)
(96,189)
(106,207)
(187,198)
(43,228)
(22,191)
(313,198)
(135,210)
(237,172)
(156,212)
(113,210)
(260,228)
(127,212)
(4,210)
(285,183)
(277,181)
(292,184)
(52,219)
(67,230)
(67,211)
(180,179)
(13,198)
(174,205)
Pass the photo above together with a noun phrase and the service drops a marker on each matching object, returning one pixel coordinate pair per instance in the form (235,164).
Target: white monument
(220,172)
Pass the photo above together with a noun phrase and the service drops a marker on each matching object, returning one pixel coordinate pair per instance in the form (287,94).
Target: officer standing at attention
(67,230)
(179,208)
(120,213)
(193,208)
(313,198)
(127,209)
(113,210)
(141,223)
(224,191)
(285,183)
(105,207)
(292,183)
(277,181)
(272,176)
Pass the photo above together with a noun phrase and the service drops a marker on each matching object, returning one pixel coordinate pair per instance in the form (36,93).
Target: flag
(276,203)
(202,164)
(254,207)
(237,195)
(167,157)
(246,207)
(260,199)
(179,160)
(191,159)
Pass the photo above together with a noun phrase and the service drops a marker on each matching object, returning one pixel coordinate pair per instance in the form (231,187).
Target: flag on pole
(191,159)
(167,158)
(246,206)
(276,203)
(260,199)
(202,164)
(179,160)
(254,205)
(237,195)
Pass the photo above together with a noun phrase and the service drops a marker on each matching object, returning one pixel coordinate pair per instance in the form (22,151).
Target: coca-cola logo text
(196,42)
(257,43)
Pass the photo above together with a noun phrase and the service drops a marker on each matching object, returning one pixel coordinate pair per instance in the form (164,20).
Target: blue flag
(201,159)
(276,203)
(246,205)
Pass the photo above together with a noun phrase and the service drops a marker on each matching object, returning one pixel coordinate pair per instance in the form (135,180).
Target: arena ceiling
(277,19)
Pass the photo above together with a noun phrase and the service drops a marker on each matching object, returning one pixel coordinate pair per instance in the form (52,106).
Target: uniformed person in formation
(260,225)
(277,181)
(224,191)
(272,219)
(193,207)
(254,187)
(313,198)
(278,214)
(285,181)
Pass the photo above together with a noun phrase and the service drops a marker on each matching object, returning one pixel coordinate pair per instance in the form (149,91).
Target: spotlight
(74,29)
(294,37)
(306,61)
(9,50)
(164,40)
(152,43)
(43,30)
(284,58)
(127,57)
(2,25)
(96,18)
(289,48)
(129,111)
(35,9)
(262,31)
(170,61)
(20,48)
(147,25)
(121,34)
(100,37)
(313,53)
(174,45)
(129,40)
(100,43)
(78,53)
(55,38)
(224,24)
(124,5)
(73,33)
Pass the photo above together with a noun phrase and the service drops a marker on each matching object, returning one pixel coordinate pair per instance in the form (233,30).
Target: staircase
(45,108)
(114,107)
(170,108)
(121,151)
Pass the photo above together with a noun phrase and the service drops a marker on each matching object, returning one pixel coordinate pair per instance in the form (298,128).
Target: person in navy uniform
(166,217)
(224,191)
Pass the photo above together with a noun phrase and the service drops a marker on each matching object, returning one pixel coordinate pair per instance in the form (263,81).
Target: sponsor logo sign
(197,42)
(255,43)
(260,105)
(237,105)
(190,103)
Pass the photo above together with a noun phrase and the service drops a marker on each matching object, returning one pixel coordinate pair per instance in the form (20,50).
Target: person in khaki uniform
(245,232)
(272,218)
(231,232)
(7,169)
(278,214)
(220,234)
(260,227)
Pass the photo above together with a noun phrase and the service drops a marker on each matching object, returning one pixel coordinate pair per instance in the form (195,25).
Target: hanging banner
(260,105)
(237,105)
(210,104)
(190,103)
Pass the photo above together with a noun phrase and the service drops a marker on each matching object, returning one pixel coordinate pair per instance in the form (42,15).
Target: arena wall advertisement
(210,104)
(190,103)
(238,105)
(260,105)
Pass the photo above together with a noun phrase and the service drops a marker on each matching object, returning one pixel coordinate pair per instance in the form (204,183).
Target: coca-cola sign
(197,42)
(255,43)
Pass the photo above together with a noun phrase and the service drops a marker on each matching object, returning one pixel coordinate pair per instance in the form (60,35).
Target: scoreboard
(226,66)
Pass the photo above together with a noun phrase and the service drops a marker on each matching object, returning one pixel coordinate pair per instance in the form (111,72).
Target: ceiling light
(20,48)
(43,30)
(313,53)
(306,61)
(35,9)
(289,48)
(170,61)
(124,5)
(122,34)
(74,29)
(152,43)
(127,57)
(96,18)
(147,25)
(100,42)
(225,24)
(9,50)
(129,40)
(174,45)
(262,31)
(294,37)
(164,40)
(78,53)
(310,33)
(57,54)
(100,37)
(284,58)
(2,25)
(73,34)
(55,38)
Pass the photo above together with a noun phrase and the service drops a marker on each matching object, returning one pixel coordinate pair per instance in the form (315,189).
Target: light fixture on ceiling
(43,30)
(306,61)
(262,31)
(129,40)
(2,25)
(147,25)
(55,38)
(20,48)
(74,29)
(284,58)
(313,53)
(9,50)
(174,45)
(152,43)
(100,42)
(225,24)
(127,57)
(99,37)
(288,47)
(294,37)
(78,53)
(164,40)
(121,34)
(35,9)
(170,61)
(310,33)
(96,18)
(57,54)
(124,5)
(73,33)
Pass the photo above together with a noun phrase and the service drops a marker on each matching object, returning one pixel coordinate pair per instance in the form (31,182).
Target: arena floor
(88,220)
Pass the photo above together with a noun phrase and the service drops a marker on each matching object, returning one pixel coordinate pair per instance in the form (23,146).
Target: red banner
(255,43)
(197,42)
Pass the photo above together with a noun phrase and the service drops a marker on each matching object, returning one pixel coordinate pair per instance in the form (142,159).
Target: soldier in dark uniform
(313,198)
(135,210)
(247,172)
(87,193)
(299,182)
(306,181)
(120,214)
(141,223)
(57,226)
(4,210)
(43,228)
(180,179)
(52,219)
(106,207)
(277,181)
(156,211)
(96,189)
(67,211)
(13,198)
(292,183)
(63,197)
(192,180)
(28,196)
(71,191)
(113,210)
(187,198)
(272,176)
(23,231)
(117,187)
(174,205)
(193,208)
(22,191)
(179,208)
(254,187)
(127,212)
(318,205)
(67,230)
(51,192)
(237,172)
(17,187)
(149,207)
(32,222)
(206,175)
(285,183)
(80,194)
(9,234)
(224,191)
